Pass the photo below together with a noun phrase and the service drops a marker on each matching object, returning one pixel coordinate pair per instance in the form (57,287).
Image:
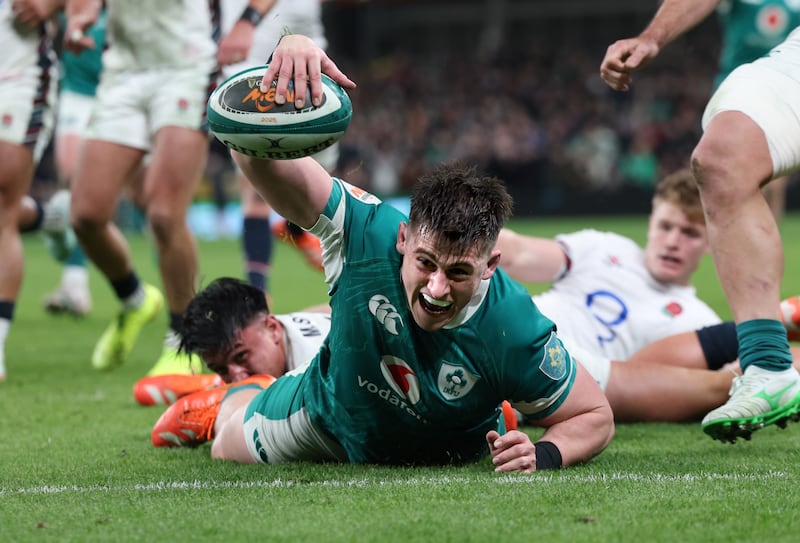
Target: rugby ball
(250,122)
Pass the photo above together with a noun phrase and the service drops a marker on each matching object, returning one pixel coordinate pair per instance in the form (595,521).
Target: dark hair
(217,313)
(463,210)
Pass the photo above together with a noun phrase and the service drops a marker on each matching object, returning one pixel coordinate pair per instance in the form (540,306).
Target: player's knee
(717,177)
(85,222)
(164,224)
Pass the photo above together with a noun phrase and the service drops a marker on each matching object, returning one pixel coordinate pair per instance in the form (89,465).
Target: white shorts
(767,91)
(131,107)
(74,111)
(277,427)
(26,110)
(598,366)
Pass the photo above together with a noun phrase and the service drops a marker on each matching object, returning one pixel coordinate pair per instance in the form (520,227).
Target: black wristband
(547,456)
(251,15)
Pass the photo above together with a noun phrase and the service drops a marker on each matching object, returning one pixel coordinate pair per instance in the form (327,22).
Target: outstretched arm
(530,259)
(297,189)
(235,45)
(672,19)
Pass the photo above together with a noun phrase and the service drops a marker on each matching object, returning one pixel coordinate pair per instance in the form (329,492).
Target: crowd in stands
(538,117)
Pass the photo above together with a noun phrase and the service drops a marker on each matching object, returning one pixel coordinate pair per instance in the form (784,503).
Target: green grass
(76,463)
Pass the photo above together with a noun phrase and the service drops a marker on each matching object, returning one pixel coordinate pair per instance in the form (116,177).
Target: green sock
(763,343)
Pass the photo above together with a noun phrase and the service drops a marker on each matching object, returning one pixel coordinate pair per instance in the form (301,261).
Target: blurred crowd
(538,116)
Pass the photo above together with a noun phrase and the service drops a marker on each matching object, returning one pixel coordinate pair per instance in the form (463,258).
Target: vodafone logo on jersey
(772,20)
(401,378)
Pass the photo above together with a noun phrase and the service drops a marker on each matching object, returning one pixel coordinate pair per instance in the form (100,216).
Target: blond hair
(680,189)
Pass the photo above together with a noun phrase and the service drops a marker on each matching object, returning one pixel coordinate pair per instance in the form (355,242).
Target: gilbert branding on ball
(250,122)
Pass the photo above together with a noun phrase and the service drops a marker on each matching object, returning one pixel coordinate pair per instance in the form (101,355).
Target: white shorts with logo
(598,365)
(768,91)
(74,112)
(26,110)
(277,428)
(131,107)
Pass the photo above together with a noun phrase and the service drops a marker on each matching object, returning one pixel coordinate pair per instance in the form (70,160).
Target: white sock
(172,340)
(5,324)
(76,277)
(135,300)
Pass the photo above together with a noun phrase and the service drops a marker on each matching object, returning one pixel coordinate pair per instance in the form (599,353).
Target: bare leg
(229,443)
(658,393)
(102,170)
(682,350)
(775,194)
(15,179)
(170,182)
(732,162)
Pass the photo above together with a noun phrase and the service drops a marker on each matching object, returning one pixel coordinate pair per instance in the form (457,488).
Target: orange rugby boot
(307,243)
(167,388)
(790,315)
(189,422)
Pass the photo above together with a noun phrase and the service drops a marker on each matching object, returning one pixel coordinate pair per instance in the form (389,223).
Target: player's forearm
(530,259)
(674,17)
(255,10)
(582,437)
(297,189)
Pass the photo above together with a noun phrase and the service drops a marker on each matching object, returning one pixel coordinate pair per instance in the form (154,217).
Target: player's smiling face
(675,244)
(439,285)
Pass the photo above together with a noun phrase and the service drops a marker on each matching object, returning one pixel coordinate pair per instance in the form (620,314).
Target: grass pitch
(76,462)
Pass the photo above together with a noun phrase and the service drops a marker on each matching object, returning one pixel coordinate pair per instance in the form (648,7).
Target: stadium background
(512,85)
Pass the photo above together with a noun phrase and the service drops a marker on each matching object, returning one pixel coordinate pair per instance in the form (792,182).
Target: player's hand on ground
(298,57)
(512,452)
(623,57)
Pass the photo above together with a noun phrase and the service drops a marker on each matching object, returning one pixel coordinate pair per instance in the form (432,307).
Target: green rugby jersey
(390,392)
(81,73)
(750,28)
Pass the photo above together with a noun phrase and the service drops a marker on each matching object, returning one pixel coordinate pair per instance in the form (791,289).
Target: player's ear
(273,327)
(402,236)
(491,265)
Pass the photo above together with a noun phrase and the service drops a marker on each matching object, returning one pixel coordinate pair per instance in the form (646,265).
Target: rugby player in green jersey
(427,337)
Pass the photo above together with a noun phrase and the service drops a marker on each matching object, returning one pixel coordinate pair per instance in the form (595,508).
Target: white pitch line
(537,479)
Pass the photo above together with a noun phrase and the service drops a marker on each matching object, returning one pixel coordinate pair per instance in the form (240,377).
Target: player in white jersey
(609,295)
(27,94)
(610,301)
(280,343)
(751,136)
(157,71)
(251,30)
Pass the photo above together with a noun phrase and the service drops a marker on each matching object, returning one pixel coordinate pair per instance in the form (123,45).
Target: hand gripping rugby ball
(250,122)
